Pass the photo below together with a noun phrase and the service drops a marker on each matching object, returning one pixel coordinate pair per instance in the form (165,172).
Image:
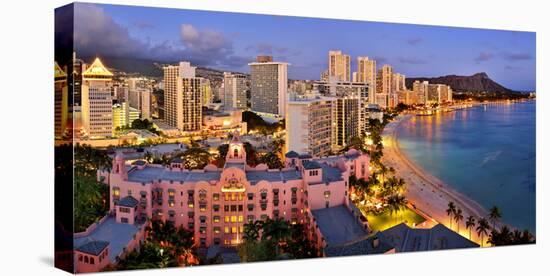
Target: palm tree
(482,227)
(396,203)
(383,171)
(458,218)
(252,230)
(276,230)
(470,223)
(494,215)
(450,211)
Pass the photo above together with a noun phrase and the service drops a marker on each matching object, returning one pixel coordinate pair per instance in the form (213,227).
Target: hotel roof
(93,247)
(128,201)
(118,235)
(97,69)
(338,225)
(311,165)
(58,72)
(292,154)
(407,239)
(363,246)
(331,174)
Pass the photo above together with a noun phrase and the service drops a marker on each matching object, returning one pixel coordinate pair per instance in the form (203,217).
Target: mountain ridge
(478,82)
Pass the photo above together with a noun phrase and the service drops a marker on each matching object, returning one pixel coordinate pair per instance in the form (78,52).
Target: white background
(26,133)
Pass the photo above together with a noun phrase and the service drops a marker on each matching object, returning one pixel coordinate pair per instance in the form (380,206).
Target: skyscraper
(339,66)
(61,100)
(234,91)
(182,97)
(383,86)
(420,90)
(97,101)
(309,125)
(268,86)
(366,69)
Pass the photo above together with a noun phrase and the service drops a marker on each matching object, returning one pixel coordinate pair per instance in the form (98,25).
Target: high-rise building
(140,99)
(309,125)
(207,96)
(76,85)
(182,97)
(124,115)
(383,86)
(355,90)
(420,90)
(97,101)
(235,87)
(346,120)
(61,101)
(268,86)
(366,69)
(339,66)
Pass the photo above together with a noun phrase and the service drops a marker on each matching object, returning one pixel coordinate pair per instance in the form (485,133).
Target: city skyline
(229,43)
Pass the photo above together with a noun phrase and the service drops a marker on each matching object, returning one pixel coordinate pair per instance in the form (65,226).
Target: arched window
(235,152)
(86,259)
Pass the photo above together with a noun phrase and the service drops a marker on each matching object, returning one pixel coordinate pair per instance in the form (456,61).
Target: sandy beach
(426,192)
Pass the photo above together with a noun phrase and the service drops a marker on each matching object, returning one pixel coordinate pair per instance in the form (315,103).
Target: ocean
(487,152)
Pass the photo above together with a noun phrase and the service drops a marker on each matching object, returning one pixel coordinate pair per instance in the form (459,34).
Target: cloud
(270,49)
(414,40)
(412,60)
(516,56)
(143,24)
(511,67)
(483,56)
(96,33)
(380,60)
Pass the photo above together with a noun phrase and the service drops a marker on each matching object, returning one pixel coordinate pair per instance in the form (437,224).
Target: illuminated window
(216,219)
(191,205)
(226,218)
(240,218)
(226,230)
(216,197)
(233,229)
(233,218)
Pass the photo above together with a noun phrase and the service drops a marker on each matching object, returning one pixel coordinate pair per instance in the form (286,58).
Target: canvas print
(189,138)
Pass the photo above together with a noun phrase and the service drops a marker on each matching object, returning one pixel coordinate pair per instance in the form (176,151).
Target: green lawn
(383,221)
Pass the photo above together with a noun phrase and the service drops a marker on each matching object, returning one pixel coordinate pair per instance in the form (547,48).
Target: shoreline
(427,193)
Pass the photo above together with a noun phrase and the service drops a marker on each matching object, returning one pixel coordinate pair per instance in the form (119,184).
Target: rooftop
(310,165)
(118,235)
(93,247)
(338,225)
(257,176)
(128,202)
(330,173)
(407,239)
(292,154)
(374,244)
(97,69)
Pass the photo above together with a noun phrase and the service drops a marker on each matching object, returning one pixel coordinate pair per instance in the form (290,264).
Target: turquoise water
(485,152)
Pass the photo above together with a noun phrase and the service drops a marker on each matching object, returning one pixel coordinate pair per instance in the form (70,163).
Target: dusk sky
(228,41)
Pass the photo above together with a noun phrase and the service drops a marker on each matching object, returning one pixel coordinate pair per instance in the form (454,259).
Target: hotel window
(92,260)
(80,257)
(233,230)
(202,207)
(217,230)
(226,218)
(227,196)
(226,230)
(124,210)
(233,218)
(203,219)
(240,207)
(202,230)
(216,207)
(263,217)
(263,206)
(190,204)
(124,220)
(241,218)
(216,197)
(233,208)
(250,218)
(216,219)
(327,194)
(226,208)
(250,196)
(250,207)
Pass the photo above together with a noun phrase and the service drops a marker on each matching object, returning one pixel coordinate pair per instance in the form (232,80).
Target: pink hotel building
(216,203)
